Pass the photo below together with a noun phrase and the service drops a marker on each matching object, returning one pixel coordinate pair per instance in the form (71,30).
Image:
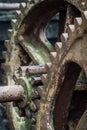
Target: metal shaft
(11,93)
(9,6)
(32,70)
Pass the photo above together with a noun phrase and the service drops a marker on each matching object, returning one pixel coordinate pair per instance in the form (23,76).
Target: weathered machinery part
(15,121)
(67,63)
(33,36)
(15,93)
(26,97)
(25,35)
(32,70)
(81,5)
(11,6)
(20,54)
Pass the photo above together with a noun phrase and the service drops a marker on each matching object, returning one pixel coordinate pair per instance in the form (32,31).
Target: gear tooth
(17,14)
(22,7)
(71,29)
(64,37)
(83,3)
(78,21)
(29,5)
(58,46)
(5,54)
(7,44)
(84,14)
(48,66)
(53,55)
(78,25)
(84,19)
(10,32)
(13,22)
(44,78)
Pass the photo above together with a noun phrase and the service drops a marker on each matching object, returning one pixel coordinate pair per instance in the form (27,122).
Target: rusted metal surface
(44,78)
(11,93)
(32,70)
(81,5)
(9,6)
(48,105)
(35,36)
(63,75)
(64,97)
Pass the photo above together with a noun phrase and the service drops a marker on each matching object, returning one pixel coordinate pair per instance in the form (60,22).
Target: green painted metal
(39,54)
(27,86)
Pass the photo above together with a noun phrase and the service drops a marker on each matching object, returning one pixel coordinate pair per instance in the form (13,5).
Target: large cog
(67,61)
(26,36)
(19,53)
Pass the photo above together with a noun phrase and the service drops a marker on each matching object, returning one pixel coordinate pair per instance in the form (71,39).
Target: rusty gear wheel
(67,62)
(28,47)
(27,53)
